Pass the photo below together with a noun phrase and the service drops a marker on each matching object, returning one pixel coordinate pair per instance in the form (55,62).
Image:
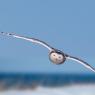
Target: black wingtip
(4,33)
(10,34)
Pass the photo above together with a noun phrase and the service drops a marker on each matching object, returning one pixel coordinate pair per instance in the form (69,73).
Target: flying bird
(56,56)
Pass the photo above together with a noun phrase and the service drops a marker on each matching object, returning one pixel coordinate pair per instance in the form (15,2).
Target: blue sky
(68,25)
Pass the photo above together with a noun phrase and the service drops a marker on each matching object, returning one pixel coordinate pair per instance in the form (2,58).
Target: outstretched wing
(29,39)
(80,61)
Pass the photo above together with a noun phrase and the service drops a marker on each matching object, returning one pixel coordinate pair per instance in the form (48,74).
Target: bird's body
(56,56)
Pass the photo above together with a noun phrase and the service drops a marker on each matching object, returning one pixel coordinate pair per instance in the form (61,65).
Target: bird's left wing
(29,39)
(81,62)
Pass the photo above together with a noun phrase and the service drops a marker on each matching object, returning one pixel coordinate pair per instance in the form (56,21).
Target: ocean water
(47,84)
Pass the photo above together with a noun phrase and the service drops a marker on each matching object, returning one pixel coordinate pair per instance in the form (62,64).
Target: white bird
(55,55)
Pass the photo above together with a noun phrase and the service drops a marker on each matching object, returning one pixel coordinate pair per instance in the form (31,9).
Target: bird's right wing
(29,39)
(81,62)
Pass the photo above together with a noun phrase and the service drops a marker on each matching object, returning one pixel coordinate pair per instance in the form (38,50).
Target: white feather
(81,62)
(30,39)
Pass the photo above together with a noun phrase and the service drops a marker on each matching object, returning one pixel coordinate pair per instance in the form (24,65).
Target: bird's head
(57,57)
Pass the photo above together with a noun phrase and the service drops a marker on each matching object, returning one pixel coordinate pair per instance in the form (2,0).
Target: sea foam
(80,89)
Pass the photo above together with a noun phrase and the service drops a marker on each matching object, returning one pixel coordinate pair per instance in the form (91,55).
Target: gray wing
(81,62)
(29,39)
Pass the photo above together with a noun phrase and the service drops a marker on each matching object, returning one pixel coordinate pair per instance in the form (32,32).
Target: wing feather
(29,39)
(81,62)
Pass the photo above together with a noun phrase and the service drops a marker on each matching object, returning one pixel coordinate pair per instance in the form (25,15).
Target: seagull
(56,56)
